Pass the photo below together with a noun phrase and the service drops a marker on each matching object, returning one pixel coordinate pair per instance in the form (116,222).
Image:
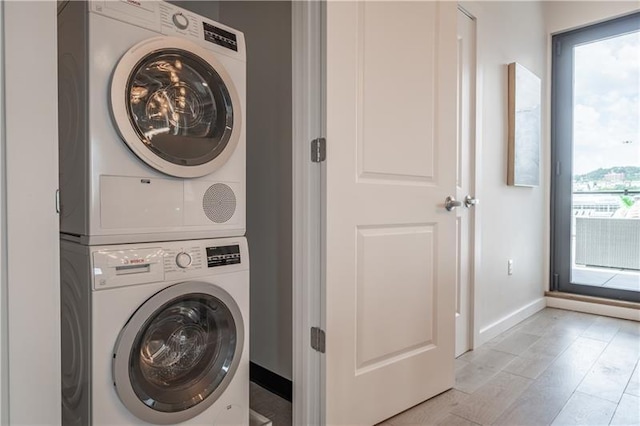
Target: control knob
(183,260)
(180,21)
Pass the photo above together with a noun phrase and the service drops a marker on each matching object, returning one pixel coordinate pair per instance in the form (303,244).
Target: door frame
(308,75)
(4,331)
(474,11)
(475,151)
(308,53)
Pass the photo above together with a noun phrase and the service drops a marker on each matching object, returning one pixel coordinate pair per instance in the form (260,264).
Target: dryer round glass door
(176,107)
(178,352)
(180,107)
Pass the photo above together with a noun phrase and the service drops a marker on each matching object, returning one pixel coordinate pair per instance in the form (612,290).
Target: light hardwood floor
(557,367)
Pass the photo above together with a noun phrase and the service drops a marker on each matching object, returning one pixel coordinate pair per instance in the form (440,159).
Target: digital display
(220,37)
(223,255)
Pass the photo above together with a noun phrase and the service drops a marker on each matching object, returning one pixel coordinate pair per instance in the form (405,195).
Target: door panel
(390,243)
(383,152)
(382,339)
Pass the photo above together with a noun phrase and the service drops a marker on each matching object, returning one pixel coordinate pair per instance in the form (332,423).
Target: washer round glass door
(176,107)
(178,352)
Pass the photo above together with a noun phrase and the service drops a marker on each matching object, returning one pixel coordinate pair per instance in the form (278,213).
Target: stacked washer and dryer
(154,262)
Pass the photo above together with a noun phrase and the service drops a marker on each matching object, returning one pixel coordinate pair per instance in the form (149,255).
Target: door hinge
(556,282)
(557,168)
(318,150)
(58,201)
(317,339)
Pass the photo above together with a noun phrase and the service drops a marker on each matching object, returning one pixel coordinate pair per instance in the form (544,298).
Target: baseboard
(271,381)
(503,324)
(593,307)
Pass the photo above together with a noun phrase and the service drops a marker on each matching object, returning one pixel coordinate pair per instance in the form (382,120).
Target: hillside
(630,174)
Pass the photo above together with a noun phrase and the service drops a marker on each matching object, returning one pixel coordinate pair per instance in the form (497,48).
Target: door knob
(469,201)
(450,203)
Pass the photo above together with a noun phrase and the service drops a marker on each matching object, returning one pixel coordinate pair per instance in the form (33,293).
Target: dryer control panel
(169,19)
(181,22)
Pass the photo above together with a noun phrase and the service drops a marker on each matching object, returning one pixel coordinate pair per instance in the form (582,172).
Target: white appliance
(152,123)
(155,333)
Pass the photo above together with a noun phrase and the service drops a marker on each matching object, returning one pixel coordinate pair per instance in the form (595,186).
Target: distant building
(614,177)
(595,205)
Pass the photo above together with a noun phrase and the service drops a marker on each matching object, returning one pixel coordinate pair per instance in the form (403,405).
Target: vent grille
(219,203)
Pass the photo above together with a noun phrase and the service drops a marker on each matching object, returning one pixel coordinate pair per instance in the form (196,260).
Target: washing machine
(151,123)
(155,333)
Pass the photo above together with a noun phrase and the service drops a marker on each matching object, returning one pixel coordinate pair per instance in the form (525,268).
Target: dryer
(152,123)
(155,333)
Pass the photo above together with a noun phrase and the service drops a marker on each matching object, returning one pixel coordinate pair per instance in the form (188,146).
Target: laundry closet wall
(267,29)
(29,264)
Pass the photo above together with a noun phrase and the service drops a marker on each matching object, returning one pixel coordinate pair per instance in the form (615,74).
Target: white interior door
(465,179)
(390,244)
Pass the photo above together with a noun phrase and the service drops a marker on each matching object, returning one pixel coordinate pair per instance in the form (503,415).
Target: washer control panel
(183,258)
(193,258)
(125,265)
(180,21)
(223,255)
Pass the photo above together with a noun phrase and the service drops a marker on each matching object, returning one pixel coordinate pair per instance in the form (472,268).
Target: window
(595,140)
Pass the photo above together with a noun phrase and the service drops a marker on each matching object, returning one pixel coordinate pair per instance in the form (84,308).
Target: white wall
(567,15)
(267,29)
(512,219)
(30,233)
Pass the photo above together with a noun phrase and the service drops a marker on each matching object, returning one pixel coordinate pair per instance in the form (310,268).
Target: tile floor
(270,405)
(557,367)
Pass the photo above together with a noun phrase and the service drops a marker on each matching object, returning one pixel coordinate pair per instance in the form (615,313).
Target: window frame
(562,152)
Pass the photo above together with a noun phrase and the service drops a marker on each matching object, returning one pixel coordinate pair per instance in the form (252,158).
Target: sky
(607,104)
